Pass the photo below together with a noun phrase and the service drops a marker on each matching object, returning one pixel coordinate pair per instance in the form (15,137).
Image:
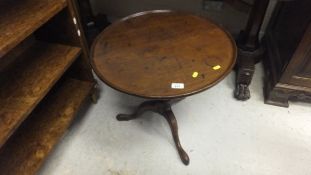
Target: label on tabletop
(177,85)
(195,74)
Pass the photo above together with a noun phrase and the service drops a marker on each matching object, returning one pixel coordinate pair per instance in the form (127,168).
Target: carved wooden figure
(250,50)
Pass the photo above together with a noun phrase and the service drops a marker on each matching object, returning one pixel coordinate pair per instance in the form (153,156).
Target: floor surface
(221,135)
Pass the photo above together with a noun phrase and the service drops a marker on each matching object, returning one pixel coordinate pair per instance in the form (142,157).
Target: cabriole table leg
(163,108)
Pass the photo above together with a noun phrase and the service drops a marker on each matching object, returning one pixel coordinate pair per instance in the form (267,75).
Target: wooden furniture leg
(92,24)
(250,51)
(163,108)
(95,93)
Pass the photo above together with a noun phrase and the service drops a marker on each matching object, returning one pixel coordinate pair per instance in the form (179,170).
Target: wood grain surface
(19,18)
(24,153)
(145,53)
(43,64)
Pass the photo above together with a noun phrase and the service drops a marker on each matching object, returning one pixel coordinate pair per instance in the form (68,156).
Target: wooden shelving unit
(41,131)
(41,66)
(18,19)
(45,78)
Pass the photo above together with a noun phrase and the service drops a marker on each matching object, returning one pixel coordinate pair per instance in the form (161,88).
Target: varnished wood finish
(92,24)
(73,9)
(19,18)
(39,45)
(24,153)
(288,59)
(250,49)
(144,53)
(249,40)
(62,29)
(41,66)
(164,109)
(8,61)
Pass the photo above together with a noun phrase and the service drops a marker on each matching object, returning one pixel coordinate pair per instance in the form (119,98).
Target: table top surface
(163,54)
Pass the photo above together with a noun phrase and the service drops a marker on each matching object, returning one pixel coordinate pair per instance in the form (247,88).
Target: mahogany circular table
(163,56)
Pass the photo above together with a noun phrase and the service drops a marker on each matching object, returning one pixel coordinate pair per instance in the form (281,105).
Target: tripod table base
(163,108)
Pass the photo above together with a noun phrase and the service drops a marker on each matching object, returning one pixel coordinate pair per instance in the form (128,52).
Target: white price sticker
(177,85)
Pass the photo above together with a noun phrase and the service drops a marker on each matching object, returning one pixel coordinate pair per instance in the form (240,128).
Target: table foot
(170,117)
(163,108)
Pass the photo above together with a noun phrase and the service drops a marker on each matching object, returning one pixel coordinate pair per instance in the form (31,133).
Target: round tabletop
(163,54)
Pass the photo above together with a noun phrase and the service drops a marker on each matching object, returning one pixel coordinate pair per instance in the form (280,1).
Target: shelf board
(43,64)
(27,149)
(20,18)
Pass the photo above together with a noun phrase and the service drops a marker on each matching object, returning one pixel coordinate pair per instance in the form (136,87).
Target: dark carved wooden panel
(306,68)
(288,59)
(298,72)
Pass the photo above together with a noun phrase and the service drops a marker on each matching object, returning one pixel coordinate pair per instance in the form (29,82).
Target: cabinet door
(298,71)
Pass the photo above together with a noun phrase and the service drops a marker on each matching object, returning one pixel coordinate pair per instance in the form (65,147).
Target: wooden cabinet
(288,59)
(45,77)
